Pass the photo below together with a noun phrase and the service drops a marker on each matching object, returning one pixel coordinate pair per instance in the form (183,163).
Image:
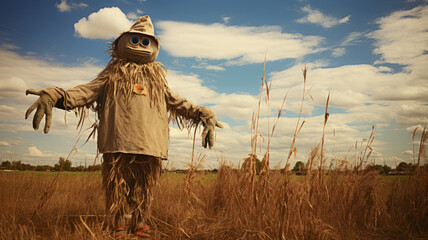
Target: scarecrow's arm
(79,96)
(188,115)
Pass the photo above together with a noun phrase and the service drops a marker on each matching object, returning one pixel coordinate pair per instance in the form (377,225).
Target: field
(344,205)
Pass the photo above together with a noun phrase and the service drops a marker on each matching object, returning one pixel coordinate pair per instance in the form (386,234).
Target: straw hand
(208,134)
(44,106)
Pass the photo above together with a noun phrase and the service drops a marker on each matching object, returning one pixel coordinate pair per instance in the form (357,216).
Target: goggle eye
(145,41)
(134,40)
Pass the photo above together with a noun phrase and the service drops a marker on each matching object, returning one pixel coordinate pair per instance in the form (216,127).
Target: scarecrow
(134,106)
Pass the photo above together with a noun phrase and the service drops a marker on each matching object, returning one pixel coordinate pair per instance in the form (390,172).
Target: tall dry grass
(332,201)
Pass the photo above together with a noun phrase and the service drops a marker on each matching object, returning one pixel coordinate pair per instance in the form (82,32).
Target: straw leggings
(128,180)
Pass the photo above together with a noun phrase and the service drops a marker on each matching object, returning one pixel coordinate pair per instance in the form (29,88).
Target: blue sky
(371,56)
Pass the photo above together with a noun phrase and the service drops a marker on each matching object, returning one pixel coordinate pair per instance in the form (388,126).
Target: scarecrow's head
(139,44)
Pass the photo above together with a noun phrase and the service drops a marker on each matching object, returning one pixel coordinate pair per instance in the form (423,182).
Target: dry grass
(344,206)
(338,202)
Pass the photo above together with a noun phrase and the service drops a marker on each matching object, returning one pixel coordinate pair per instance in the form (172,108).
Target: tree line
(63,164)
(402,168)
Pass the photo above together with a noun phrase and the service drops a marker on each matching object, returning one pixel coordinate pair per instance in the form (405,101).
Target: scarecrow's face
(138,48)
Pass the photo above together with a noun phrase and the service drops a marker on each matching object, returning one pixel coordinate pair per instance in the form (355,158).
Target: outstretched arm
(184,112)
(78,96)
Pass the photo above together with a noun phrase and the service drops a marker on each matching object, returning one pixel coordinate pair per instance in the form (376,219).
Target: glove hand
(44,106)
(208,134)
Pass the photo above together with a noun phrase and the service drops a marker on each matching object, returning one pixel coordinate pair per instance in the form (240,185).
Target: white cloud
(407,153)
(21,72)
(107,23)
(34,152)
(209,67)
(409,51)
(9,46)
(11,86)
(317,17)
(234,106)
(416,128)
(17,73)
(338,52)
(134,15)
(65,7)
(237,44)
(226,19)
(390,43)
(352,38)
(215,68)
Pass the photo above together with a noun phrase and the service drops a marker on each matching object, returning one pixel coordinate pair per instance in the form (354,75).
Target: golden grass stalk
(326,115)
(299,126)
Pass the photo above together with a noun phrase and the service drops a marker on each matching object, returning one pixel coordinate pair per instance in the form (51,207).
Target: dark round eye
(134,40)
(145,41)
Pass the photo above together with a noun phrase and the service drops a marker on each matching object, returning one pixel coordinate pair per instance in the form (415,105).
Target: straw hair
(121,75)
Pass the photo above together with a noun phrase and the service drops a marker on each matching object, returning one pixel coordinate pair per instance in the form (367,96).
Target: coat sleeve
(184,113)
(79,96)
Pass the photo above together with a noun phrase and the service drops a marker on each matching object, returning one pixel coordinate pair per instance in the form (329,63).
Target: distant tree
(16,165)
(5,164)
(403,166)
(94,168)
(299,166)
(385,169)
(64,164)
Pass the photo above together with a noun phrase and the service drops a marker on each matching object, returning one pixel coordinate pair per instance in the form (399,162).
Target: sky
(371,56)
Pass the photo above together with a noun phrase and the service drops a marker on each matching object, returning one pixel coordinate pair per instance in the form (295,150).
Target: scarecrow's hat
(143,26)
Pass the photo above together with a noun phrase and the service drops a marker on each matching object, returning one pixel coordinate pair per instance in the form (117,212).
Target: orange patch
(140,89)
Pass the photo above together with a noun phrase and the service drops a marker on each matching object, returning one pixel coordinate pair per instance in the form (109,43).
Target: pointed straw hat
(142,26)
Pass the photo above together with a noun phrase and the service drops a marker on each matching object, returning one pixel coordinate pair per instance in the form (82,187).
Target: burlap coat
(131,122)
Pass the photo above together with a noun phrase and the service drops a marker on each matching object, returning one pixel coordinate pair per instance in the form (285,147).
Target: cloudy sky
(370,55)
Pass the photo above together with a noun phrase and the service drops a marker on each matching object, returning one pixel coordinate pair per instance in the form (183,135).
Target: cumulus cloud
(390,43)
(107,23)
(237,44)
(34,152)
(409,51)
(233,106)
(65,7)
(317,17)
(11,86)
(20,72)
